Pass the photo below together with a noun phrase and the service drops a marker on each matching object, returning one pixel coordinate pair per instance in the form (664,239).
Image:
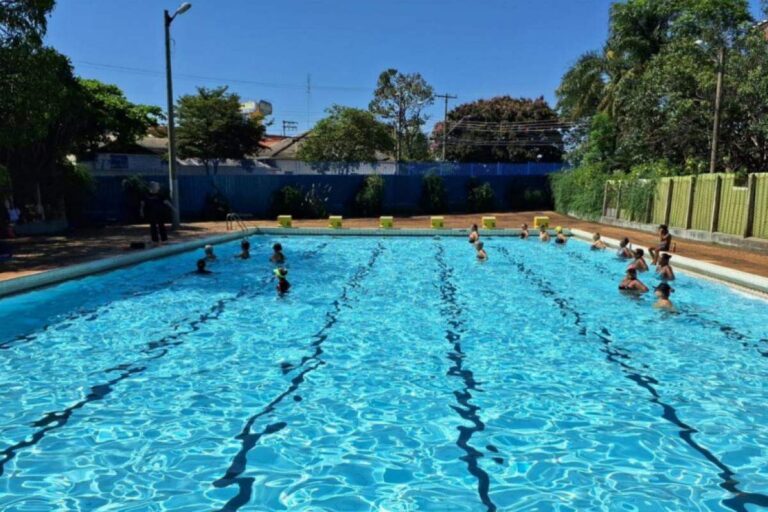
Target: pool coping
(744,280)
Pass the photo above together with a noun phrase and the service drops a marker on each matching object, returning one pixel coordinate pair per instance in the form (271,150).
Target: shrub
(432,194)
(370,198)
(580,190)
(309,204)
(287,201)
(480,197)
(216,206)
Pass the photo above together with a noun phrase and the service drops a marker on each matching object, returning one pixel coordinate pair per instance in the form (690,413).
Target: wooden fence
(711,202)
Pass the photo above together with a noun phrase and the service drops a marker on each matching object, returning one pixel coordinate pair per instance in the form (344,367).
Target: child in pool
(209,255)
(597,243)
(245,247)
(201,267)
(560,237)
(277,254)
(481,254)
(282,282)
(524,231)
(662,292)
(543,234)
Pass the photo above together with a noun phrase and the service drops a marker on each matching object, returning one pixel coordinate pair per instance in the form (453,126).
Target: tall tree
(212,128)
(24,21)
(345,137)
(399,100)
(503,129)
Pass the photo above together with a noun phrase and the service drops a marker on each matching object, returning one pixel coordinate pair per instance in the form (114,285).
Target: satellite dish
(265,108)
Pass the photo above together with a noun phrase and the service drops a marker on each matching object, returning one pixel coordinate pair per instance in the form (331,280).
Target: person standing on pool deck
(662,292)
(474,235)
(153,208)
(277,254)
(631,283)
(665,243)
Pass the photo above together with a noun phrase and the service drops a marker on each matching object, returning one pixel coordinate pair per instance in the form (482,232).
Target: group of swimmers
(630,284)
(659,257)
(277,258)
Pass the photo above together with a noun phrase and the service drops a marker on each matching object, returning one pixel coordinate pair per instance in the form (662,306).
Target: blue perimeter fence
(253,194)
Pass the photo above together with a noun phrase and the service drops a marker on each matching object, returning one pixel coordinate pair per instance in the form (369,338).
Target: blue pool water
(397,375)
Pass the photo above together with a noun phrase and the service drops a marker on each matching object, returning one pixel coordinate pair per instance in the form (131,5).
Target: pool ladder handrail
(233,219)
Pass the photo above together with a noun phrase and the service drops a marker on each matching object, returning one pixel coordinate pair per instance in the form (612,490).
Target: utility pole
(718,102)
(446,97)
(289,126)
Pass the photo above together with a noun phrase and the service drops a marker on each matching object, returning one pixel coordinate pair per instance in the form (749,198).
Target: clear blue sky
(266,50)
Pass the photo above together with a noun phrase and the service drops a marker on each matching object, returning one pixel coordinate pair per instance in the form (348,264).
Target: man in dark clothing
(153,208)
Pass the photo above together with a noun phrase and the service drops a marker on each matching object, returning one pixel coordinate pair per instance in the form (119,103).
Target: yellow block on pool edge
(284,221)
(334,221)
(489,222)
(437,222)
(541,221)
(386,222)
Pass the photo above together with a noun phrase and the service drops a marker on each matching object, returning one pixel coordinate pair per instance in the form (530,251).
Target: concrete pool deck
(33,255)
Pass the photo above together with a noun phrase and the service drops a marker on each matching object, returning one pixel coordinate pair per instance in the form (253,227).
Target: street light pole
(173,180)
(718,102)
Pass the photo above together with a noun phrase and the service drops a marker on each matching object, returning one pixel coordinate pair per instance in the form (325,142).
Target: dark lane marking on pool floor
(619,356)
(729,331)
(249,439)
(57,419)
(451,312)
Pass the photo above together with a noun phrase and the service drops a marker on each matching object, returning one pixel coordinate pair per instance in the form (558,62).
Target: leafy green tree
(345,137)
(23,21)
(399,100)
(502,129)
(212,128)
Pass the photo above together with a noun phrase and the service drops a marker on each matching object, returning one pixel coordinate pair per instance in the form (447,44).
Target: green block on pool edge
(438,222)
(285,221)
(334,221)
(386,222)
(489,222)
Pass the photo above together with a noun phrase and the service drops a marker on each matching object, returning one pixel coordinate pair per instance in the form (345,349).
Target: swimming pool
(398,374)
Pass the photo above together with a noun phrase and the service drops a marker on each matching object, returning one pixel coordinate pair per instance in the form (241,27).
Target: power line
(446,97)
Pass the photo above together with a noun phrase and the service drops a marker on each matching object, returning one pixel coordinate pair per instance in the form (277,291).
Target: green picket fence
(690,202)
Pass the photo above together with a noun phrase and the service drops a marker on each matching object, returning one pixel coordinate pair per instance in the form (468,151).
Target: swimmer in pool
(631,283)
(597,243)
(662,293)
(560,237)
(474,235)
(209,255)
(277,254)
(664,269)
(524,231)
(639,263)
(245,248)
(543,234)
(282,282)
(201,267)
(481,254)
(625,249)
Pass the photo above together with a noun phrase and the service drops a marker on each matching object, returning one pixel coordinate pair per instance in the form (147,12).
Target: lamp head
(183,8)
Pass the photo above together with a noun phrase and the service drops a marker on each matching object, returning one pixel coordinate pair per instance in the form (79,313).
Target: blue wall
(253,194)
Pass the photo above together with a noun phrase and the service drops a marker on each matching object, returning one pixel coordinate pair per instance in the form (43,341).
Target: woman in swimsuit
(631,283)
(639,263)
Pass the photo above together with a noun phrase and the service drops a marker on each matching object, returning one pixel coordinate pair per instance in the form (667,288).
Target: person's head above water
(209,250)
(639,253)
(596,237)
(474,227)
(245,245)
(277,247)
(663,290)
(524,226)
(201,265)
(558,230)
(664,260)
(624,242)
